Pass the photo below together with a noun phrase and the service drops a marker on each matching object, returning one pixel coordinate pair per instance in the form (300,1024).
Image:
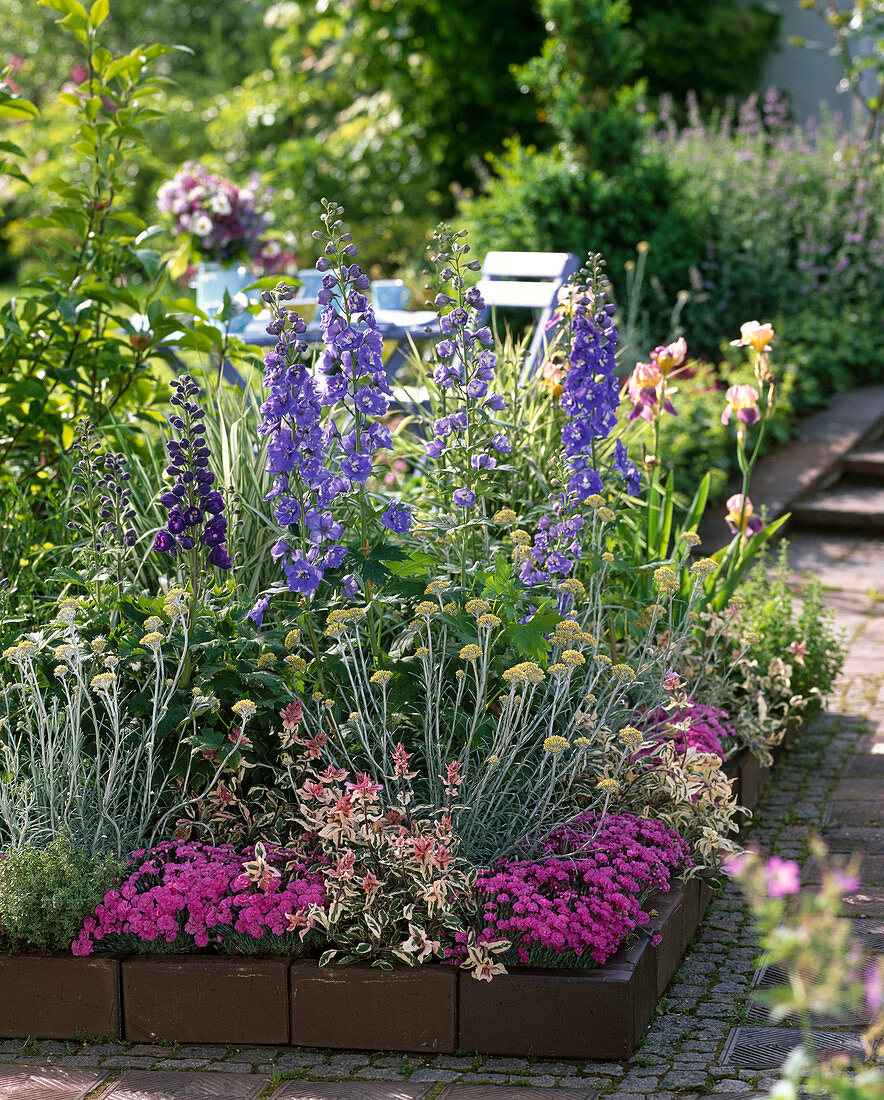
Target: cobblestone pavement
(826,778)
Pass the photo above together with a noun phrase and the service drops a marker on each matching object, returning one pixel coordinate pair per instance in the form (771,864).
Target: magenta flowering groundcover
(181,897)
(577,905)
(710,728)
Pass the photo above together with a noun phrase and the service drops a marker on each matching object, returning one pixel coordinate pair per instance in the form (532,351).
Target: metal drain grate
(769,1047)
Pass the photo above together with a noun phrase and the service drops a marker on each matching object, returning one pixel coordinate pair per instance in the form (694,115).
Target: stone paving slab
(352,1090)
(184,1085)
(24,1083)
(855,813)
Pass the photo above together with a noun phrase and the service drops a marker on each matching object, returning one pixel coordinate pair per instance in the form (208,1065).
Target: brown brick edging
(198,999)
(240,1000)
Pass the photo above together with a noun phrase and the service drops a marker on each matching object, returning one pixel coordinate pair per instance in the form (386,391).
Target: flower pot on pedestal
(210,282)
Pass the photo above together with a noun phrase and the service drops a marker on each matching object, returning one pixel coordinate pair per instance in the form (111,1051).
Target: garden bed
(597,1013)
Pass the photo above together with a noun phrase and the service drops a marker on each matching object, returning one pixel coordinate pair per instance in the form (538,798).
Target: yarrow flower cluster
(194,895)
(195,509)
(577,904)
(224,222)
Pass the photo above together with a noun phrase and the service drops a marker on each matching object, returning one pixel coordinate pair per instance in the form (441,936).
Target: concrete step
(868,463)
(845,507)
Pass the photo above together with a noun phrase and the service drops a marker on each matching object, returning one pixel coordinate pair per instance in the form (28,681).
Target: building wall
(809,77)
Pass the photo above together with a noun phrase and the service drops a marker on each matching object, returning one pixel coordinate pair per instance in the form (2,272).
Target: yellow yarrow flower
(558,670)
(459,673)
(630,736)
(98,645)
(478,607)
(504,517)
(572,586)
(103,682)
(751,637)
(667,580)
(292,639)
(583,742)
(470,652)
(608,785)
(353,716)
(488,622)
(703,567)
(64,652)
(690,538)
(603,659)
(607,557)
(493,760)
(425,608)
(152,623)
(297,664)
(595,501)
(244,709)
(528,672)
(624,673)
(435,588)
(422,651)
(61,671)
(317,695)
(67,610)
(450,608)
(606,515)
(382,677)
(152,640)
(555,745)
(175,602)
(520,537)
(573,658)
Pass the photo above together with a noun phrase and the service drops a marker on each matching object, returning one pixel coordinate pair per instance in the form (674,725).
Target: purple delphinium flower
(465,372)
(627,469)
(397,517)
(591,388)
(195,510)
(259,610)
(317,468)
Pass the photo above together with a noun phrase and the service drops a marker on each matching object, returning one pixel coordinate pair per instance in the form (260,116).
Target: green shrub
(46,892)
(806,640)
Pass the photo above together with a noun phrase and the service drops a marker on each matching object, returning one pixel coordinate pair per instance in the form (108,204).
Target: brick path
(836,775)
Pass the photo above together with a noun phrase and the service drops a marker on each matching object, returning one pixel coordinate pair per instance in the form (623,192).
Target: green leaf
(327,956)
(98,13)
(67,7)
(415,564)
(12,107)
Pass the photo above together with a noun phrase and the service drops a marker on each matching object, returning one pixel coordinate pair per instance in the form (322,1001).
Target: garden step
(865,463)
(846,506)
